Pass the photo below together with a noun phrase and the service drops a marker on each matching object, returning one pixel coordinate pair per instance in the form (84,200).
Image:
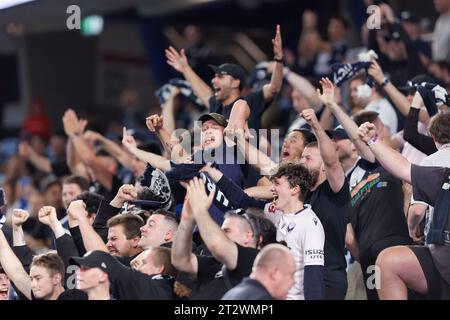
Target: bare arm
(271,89)
(111,147)
(13,268)
(396,96)
(416,213)
(179,62)
(167,111)
(390,159)
(41,162)
(333,168)
(18,218)
(222,248)
(260,192)
(155,160)
(182,257)
(350,242)
(91,239)
(303,86)
(349,125)
(47,215)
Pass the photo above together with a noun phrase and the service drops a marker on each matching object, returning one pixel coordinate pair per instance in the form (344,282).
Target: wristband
(385,82)
(278,60)
(372,141)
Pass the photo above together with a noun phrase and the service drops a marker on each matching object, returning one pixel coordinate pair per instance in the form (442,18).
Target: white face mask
(364,92)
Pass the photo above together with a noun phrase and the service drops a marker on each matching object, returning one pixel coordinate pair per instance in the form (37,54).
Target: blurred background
(121,46)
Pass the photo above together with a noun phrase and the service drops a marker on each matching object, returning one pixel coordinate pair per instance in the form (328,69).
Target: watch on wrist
(278,60)
(385,82)
(372,141)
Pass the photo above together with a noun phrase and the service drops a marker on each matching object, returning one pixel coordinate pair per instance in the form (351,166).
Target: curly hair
(296,175)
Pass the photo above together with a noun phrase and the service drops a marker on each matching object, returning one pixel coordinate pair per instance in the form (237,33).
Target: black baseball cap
(220,119)
(91,259)
(338,133)
(416,81)
(231,69)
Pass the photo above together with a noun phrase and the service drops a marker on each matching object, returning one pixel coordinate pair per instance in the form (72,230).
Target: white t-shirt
(304,235)
(386,113)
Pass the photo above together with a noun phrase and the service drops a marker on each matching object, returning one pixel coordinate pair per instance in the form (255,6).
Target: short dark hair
(162,257)
(308,136)
(168,215)
(131,224)
(82,182)
(92,201)
(341,19)
(297,175)
(439,127)
(50,261)
(365,116)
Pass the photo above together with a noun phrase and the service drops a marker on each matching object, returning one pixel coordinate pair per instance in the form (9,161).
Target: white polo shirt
(304,235)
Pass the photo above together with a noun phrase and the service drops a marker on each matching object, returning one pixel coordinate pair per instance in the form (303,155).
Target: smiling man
(296,224)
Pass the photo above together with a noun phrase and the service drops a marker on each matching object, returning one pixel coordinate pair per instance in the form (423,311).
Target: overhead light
(4,4)
(92,25)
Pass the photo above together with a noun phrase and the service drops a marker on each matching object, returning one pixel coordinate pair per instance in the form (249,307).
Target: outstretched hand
(176,60)
(198,200)
(277,44)
(327,95)
(128,140)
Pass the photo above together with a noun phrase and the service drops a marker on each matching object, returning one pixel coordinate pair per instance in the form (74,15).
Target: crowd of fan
(356,206)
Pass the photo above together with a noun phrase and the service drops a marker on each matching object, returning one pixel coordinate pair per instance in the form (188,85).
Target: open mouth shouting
(4,293)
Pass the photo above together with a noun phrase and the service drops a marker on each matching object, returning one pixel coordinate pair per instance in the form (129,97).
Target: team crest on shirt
(315,221)
(291,226)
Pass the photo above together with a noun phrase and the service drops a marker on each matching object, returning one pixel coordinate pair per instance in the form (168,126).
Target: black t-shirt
(211,284)
(377,204)
(333,210)
(70,294)
(427,184)
(129,284)
(248,289)
(107,194)
(256,102)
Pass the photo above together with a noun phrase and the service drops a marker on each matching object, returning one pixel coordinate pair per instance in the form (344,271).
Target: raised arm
(411,133)
(333,168)
(114,149)
(74,129)
(303,86)
(18,218)
(13,268)
(271,89)
(394,94)
(92,241)
(179,62)
(222,248)
(41,162)
(155,160)
(327,98)
(390,159)
(237,197)
(182,257)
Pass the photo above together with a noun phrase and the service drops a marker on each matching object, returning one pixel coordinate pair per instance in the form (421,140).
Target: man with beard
(329,198)
(377,216)
(228,82)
